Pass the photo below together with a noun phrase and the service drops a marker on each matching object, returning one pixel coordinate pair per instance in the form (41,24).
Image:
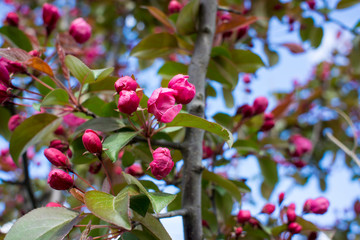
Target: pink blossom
(162,104)
(12,19)
(281,197)
(60,180)
(260,104)
(80,30)
(73,121)
(268,208)
(125,83)
(50,15)
(302,145)
(243,216)
(92,142)
(294,228)
(185,90)
(174,7)
(56,157)
(128,101)
(15,121)
(162,164)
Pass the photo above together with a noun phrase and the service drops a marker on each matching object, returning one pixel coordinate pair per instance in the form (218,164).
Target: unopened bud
(60,180)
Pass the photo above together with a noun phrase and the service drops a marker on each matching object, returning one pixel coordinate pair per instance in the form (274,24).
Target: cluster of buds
(319,205)
(162,101)
(128,99)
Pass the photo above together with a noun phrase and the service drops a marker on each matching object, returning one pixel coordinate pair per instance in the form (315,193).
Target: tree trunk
(192,153)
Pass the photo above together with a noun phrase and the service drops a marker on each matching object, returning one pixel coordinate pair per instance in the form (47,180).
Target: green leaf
(223,70)
(79,70)
(220,51)
(224,119)
(170,69)
(346,3)
(306,225)
(42,89)
(273,57)
(127,159)
(95,105)
(159,15)
(316,36)
(16,37)
(269,170)
(4,119)
(56,97)
(101,74)
(43,224)
(246,61)
(188,120)
(140,203)
(111,209)
(158,200)
(229,99)
(153,225)
(155,45)
(187,19)
(278,229)
(100,124)
(31,132)
(78,149)
(106,84)
(223,182)
(115,142)
(307,24)
(242,186)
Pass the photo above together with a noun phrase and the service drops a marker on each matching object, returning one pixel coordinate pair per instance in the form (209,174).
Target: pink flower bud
(299,163)
(73,121)
(294,228)
(128,101)
(15,121)
(319,205)
(60,131)
(135,170)
(4,76)
(260,104)
(125,83)
(268,208)
(92,142)
(292,206)
(357,207)
(291,215)
(247,79)
(307,205)
(4,95)
(53,204)
(302,145)
(162,104)
(311,4)
(185,90)
(174,7)
(162,164)
(243,216)
(245,110)
(207,151)
(225,17)
(56,157)
(34,53)
(11,66)
(238,231)
(95,167)
(60,180)
(80,30)
(254,222)
(204,223)
(50,15)
(241,32)
(12,19)
(59,145)
(267,125)
(281,197)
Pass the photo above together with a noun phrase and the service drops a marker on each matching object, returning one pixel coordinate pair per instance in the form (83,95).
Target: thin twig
(226,9)
(344,148)
(12,182)
(27,181)
(162,143)
(180,212)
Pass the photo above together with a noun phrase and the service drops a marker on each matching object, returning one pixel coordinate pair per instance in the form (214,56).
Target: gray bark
(192,151)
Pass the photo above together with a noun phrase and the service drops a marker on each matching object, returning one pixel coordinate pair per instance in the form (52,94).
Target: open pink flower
(162,104)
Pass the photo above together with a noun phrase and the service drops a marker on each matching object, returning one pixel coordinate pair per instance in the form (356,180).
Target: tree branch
(162,143)
(226,9)
(180,212)
(27,181)
(192,151)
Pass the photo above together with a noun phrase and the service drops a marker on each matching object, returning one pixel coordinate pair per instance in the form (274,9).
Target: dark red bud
(243,216)
(92,142)
(60,180)
(56,157)
(294,228)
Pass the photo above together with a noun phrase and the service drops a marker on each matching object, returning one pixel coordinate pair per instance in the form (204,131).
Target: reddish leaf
(236,21)
(38,64)
(281,108)
(159,15)
(14,54)
(294,47)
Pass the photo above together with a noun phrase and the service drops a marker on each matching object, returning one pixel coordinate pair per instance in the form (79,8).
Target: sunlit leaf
(115,142)
(56,97)
(187,19)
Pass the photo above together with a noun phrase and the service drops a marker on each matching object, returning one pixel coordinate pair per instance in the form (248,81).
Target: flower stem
(84,180)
